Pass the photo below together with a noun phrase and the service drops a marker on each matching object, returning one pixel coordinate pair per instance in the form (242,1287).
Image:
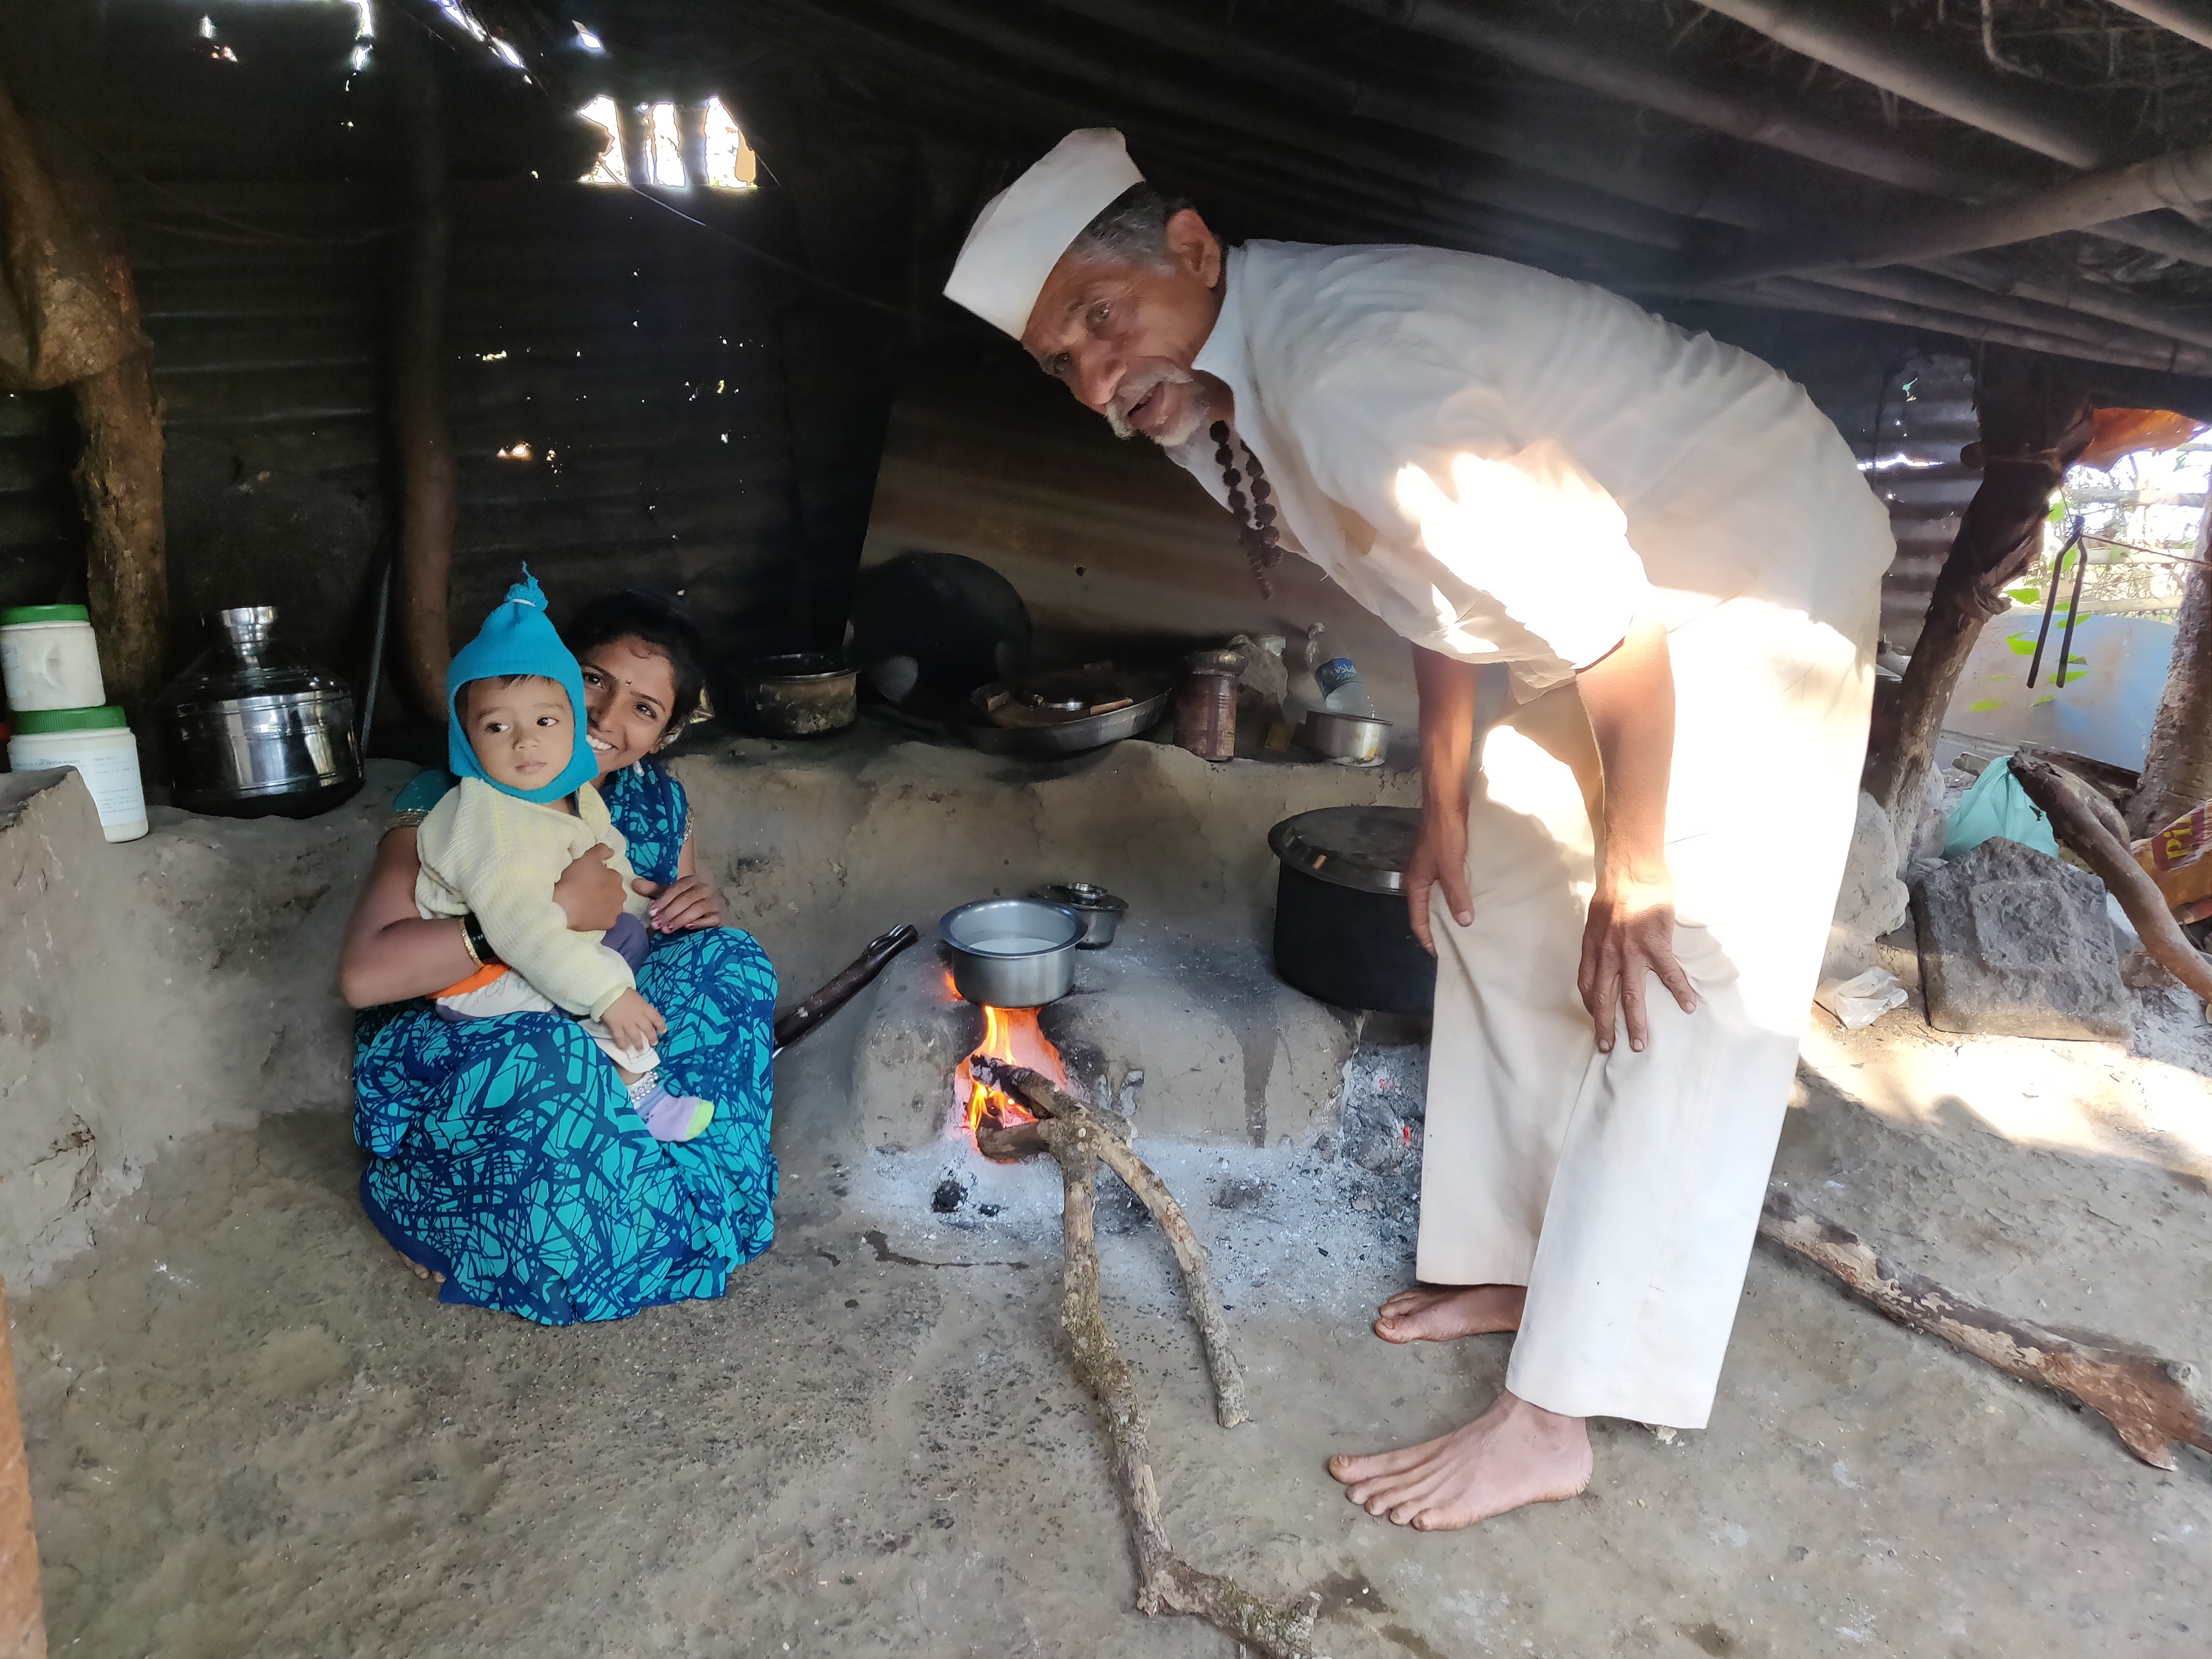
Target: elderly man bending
(1674,554)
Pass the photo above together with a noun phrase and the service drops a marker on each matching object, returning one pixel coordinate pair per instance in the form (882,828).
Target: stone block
(1871,900)
(2014,943)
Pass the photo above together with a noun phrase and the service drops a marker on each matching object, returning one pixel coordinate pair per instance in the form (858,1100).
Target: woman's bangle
(479,947)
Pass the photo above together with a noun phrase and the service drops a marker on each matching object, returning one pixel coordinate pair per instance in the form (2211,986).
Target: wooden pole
(118,471)
(73,319)
(2033,426)
(421,443)
(119,483)
(67,325)
(2177,770)
(22,1625)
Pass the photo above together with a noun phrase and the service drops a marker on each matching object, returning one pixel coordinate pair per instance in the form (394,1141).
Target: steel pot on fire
(1011,952)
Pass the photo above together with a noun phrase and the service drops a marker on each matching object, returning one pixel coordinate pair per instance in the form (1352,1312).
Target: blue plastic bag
(1996,807)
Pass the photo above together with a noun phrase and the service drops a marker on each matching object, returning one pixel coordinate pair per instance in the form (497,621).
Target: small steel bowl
(1100,911)
(1011,952)
(1355,740)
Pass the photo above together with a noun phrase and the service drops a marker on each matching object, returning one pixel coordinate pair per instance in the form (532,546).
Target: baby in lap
(525,807)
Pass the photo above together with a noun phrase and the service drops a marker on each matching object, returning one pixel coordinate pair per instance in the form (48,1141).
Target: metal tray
(1048,741)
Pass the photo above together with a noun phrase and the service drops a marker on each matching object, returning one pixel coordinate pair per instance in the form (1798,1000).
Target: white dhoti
(1624,1189)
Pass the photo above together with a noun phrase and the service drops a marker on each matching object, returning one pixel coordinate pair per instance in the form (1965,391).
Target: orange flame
(1012,1035)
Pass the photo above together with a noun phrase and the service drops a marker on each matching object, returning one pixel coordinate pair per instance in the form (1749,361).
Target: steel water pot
(250,734)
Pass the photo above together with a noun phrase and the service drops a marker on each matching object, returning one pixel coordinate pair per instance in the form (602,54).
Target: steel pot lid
(1365,848)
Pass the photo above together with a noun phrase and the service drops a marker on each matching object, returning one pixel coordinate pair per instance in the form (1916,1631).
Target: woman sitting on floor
(505,1159)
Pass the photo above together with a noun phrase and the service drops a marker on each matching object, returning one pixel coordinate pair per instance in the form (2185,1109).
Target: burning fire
(1012,1035)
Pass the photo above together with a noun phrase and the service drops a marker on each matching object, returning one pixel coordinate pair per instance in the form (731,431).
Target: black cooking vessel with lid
(1342,932)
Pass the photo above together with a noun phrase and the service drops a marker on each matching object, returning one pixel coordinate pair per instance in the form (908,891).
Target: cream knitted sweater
(485,851)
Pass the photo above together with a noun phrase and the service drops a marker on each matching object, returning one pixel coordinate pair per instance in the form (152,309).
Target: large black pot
(1342,933)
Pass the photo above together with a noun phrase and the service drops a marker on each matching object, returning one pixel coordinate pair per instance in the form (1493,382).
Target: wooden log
(421,442)
(118,471)
(66,324)
(1206,1309)
(56,196)
(2035,425)
(2177,771)
(22,1623)
(2151,1402)
(1166,1583)
(2086,821)
(119,483)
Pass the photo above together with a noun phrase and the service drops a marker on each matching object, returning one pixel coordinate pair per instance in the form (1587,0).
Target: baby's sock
(667,1116)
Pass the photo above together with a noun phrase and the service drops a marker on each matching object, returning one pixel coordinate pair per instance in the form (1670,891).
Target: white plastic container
(49,658)
(97,742)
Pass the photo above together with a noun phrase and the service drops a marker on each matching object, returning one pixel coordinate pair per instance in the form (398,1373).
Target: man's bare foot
(1443,1313)
(418,1269)
(1513,1453)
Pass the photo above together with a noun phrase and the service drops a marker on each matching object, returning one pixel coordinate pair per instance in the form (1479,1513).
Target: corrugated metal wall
(634,357)
(639,357)
(1927,418)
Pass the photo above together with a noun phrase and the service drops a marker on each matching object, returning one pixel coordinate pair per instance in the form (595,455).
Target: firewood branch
(2073,809)
(2151,1402)
(1043,1097)
(1166,1583)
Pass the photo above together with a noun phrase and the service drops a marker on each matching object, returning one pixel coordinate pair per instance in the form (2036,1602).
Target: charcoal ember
(948,1195)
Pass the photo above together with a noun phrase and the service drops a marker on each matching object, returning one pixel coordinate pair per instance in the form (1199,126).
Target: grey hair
(1131,229)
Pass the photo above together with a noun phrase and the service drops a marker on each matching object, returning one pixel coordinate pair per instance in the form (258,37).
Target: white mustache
(1138,388)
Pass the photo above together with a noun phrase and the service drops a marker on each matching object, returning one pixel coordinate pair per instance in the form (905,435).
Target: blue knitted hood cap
(519,638)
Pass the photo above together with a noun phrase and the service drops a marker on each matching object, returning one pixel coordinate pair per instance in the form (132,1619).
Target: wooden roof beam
(1541,47)
(2189,19)
(2182,179)
(2116,305)
(1800,294)
(1503,187)
(1927,70)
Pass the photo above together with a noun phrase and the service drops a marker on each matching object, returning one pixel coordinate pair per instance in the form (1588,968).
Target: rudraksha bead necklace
(1255,519)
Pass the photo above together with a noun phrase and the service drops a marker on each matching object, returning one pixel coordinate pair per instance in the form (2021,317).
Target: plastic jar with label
(49,658)
(99,744)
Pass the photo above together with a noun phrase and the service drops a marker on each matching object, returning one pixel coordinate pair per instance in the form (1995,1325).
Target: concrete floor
(251,1433)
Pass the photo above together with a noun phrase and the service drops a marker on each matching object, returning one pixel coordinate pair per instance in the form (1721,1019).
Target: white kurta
(1508,467)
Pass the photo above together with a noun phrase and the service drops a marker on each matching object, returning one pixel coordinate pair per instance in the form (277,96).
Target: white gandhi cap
(1022,232)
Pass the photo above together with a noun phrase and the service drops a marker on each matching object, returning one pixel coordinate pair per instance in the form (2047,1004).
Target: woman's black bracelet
(479,946)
